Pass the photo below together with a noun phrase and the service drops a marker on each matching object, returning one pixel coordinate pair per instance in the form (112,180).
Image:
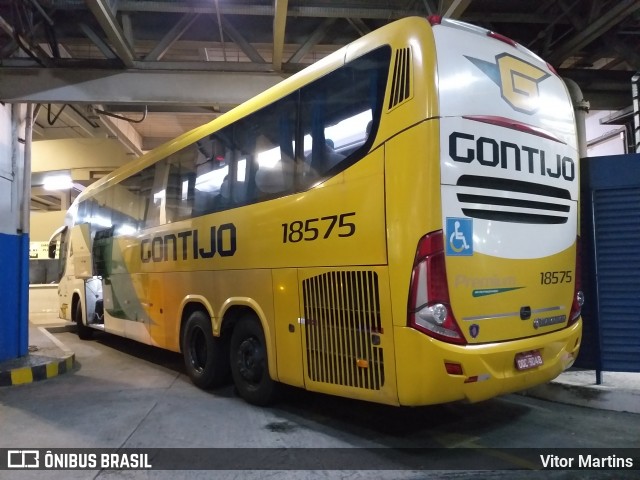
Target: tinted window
(340,114)
(265,142)
(283,148)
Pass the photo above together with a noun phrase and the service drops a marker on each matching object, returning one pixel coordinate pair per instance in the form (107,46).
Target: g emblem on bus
(518,80)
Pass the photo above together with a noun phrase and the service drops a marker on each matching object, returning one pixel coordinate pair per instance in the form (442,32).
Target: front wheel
(205,357)
(84,332)
(249,364)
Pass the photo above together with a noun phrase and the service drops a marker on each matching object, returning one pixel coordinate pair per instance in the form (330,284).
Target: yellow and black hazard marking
(35,373)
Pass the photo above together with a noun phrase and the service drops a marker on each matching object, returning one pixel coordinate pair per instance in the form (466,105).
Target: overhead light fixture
(57,182)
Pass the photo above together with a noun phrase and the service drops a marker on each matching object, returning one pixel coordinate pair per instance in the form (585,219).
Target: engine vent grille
(401,84)
(514,201)
(343,329)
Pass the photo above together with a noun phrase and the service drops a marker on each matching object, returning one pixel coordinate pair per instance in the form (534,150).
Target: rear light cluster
(578,296)
(429,305)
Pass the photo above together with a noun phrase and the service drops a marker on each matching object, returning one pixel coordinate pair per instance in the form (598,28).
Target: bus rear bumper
(487,370)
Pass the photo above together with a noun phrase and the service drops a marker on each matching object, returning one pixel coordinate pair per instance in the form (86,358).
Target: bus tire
(249,363)
(84,332)
(205,357)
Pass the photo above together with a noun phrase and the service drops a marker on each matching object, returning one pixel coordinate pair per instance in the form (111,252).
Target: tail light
(429,305)
(578,294)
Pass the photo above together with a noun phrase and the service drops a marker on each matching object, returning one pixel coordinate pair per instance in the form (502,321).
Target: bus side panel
(180,289)
(132,302)
(337,222)
(112,324)
(150,293)
(217,292)
(287,326)
(347,333)
(412,183)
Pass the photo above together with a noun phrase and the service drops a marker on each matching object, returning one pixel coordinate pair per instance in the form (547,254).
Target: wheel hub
(198,350)
(250,360)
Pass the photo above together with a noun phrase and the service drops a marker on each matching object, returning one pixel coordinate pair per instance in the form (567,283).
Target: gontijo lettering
(465,148)
(190,244)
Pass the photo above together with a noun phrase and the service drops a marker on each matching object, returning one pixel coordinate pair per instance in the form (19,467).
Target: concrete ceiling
(145,71)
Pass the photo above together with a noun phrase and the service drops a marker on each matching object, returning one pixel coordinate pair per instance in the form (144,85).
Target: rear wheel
(249,364)
(84,332)
(205,357)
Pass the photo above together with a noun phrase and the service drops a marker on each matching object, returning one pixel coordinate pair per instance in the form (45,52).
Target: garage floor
(121,394)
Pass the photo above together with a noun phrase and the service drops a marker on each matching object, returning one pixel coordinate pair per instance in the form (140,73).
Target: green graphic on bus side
(492,291)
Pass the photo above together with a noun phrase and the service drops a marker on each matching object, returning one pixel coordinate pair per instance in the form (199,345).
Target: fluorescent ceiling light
(57,182)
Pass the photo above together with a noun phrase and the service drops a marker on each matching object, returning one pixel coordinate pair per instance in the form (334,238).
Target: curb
(50,368)
(53,359)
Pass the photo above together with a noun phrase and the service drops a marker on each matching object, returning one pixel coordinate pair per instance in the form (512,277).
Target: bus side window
(181,184)
(321,154)
(275,168)
(128,203)
(154,215)
(266,166)
(144,193)
(102,252)
(335,126)
(338,124)
(239,181)
(212,188)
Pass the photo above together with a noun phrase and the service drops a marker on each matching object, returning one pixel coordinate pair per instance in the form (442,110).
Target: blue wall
(611,263)
(14,295)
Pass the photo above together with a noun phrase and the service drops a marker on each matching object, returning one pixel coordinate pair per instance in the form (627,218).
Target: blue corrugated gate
(611,258)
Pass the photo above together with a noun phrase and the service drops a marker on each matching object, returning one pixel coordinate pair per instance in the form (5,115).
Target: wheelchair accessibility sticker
(459,237)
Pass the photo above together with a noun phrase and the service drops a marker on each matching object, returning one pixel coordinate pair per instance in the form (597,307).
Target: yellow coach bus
(396,223)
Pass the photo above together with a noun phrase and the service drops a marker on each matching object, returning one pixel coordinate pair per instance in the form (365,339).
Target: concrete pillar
(581,108)
(14,232)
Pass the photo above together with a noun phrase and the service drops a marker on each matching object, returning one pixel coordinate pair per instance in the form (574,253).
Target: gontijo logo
(518,80)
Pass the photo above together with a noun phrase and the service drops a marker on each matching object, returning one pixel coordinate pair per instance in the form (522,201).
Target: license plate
(528,360)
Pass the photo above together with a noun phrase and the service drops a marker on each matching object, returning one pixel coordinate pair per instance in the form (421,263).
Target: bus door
(127,298)
(58,244)
(78,274)
(100,289)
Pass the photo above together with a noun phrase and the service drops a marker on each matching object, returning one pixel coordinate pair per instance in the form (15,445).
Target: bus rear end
(496,291)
